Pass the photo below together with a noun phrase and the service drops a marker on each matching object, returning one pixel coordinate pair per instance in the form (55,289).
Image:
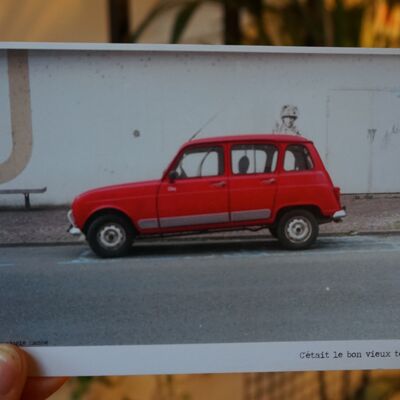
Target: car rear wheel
(110,235)
(297,229)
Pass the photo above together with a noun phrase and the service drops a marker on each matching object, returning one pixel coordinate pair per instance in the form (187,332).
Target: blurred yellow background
(367,23)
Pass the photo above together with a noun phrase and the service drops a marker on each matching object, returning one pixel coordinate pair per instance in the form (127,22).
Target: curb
(40,244)
(205,238)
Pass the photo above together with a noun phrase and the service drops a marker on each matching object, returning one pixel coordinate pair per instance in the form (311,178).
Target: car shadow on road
(206,247)
(248,246)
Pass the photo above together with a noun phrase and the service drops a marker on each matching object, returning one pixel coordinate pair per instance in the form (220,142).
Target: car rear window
(297,158)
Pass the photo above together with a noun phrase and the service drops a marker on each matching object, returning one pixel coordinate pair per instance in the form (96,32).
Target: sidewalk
(378,214)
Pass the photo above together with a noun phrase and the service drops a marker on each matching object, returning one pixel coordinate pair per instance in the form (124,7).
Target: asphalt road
(346,288)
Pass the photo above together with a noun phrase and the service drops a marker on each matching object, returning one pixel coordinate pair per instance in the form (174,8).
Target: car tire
(297,229)
(110,235)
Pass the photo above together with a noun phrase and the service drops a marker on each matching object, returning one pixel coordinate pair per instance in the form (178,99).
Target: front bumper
(338,215)
(73,229)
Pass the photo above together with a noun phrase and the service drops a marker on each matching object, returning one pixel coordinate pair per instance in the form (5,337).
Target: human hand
(14,384)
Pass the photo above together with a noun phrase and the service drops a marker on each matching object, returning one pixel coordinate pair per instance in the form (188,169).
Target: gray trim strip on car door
(236,216)
(250,215)
(216,218)
(150,223)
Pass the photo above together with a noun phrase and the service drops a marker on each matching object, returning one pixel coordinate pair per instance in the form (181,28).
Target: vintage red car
(214,184)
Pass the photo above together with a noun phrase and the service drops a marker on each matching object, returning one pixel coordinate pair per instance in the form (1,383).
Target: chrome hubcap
(298,229)
(111,236)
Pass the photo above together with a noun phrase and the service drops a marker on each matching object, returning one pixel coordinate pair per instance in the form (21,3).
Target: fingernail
(10,368)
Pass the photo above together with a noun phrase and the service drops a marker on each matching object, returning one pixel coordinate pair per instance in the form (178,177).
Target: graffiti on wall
(287,124)
(21,116)
(391,132)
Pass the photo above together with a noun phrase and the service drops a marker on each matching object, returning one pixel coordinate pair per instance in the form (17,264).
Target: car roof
(275,138)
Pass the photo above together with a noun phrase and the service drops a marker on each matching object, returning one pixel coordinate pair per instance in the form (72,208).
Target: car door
(252,182)
(196,197)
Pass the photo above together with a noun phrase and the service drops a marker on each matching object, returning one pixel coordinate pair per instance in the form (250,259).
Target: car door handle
(269,181)
(219,184)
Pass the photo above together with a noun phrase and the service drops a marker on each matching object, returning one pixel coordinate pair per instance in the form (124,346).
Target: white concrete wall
(86,104)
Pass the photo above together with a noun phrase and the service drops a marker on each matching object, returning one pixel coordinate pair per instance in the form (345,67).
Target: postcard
(194,209)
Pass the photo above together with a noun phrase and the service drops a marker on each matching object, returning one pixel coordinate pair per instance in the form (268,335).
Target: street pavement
(223,287)
(344,288)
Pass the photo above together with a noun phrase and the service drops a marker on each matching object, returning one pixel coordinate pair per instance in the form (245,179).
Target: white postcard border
(213,358)
(198,48)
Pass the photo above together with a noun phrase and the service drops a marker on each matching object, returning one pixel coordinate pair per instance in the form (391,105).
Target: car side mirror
(173,175)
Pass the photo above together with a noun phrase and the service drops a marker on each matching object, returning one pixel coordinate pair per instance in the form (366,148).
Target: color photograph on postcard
(164,195)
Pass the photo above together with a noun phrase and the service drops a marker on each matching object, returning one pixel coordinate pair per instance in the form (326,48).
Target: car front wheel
(298,229)
(110,236)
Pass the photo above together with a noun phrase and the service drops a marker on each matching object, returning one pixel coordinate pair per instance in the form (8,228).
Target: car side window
(253,158)
(297,158)
(199,162)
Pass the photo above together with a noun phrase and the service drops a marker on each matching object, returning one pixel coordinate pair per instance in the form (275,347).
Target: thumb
(12,372)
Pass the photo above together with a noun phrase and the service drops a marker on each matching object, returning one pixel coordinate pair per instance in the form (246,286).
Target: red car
(214,184)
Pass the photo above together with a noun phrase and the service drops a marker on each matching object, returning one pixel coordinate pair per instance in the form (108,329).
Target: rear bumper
(338,215)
